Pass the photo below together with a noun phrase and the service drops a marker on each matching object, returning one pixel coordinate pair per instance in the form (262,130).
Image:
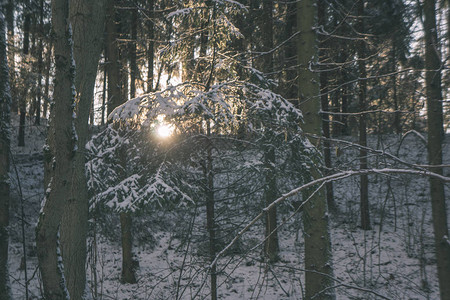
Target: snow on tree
(240,114)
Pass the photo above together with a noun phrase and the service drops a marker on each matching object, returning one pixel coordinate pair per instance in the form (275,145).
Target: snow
(61,268)
(232,2)
(180,12)
(126,110)
(394,260)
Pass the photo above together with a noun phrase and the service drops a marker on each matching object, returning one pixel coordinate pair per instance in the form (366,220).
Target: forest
(224,149)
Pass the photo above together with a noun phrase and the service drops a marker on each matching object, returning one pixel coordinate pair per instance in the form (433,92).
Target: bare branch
(329,178)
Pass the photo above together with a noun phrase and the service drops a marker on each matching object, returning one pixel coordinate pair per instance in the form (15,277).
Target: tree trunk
(32,63)
(210,212)
(24,94)
(112,55)
(151,44)
(33,31)
(344,109)
(40,63)
(448,27)
(122,57)
(116,95)
(290,91)
(397,124)
(5,127)
(364,181)
(325,117)
(11,53)
(104,95)
(128,275)
(189,64)
(48,63)
(123,74)
(336,127)
(271,245)
(204,39)
(62,148)
(133,65)
(433,66)
(318,262)
(87,19)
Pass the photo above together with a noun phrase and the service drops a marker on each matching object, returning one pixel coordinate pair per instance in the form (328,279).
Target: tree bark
(344,109)
(151,44)
(397,124)
(104,95)
(87,19)
(364,181)
(325,117)
(5,128)
(271,246)
(112,55)
(128,275)
(204,39)
(9,15)
(210,212)
(318,262)
(23,96)
(433,66)
(32,62)
(126,221)
(62,149)
(133,65)
(48,62)
(117,95)
(37,119)
(290,54)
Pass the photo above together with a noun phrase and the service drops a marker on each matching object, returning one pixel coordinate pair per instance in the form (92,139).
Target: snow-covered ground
(394,260)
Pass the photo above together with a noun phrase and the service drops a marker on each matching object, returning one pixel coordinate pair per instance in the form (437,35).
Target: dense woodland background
(224,149)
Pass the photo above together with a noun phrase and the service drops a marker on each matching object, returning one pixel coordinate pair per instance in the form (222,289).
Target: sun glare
(164,130)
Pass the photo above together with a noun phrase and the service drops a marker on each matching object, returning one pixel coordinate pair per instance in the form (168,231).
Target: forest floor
(394,260)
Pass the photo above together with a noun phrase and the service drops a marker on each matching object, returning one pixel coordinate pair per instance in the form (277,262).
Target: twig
(329,178)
